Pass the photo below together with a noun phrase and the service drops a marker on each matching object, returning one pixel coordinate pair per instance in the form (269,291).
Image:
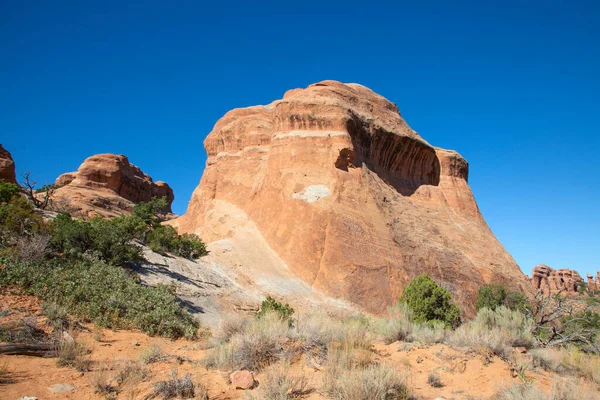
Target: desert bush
(397,325)
(18,219)
(23,330)
(434,380)
(375,382)
(8,191)
(152,354)
(277,384)
(110,240)
(497,330)
(95,291)
(429,333)
(174,387)
(549,359)
(271,306)
(569,389)
(32,248)
(430,302)
(520,392)
(494,295)
(101,383)
(316,331)
(131,373)
(587,365)
(149,212)
(260,344)
(57,316)
(164,239)
(72,354)
(230,325)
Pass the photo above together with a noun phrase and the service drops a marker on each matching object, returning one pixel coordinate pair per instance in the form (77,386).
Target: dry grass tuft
(278,385)
(520,392)
(397,325)
(261,343)
(569,389)
(74,355)
(131,373)
(174,388)
(102,383)
(497,330)
(152,354)
(375,382)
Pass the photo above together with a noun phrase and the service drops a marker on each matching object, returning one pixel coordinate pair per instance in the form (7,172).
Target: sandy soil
(464,374)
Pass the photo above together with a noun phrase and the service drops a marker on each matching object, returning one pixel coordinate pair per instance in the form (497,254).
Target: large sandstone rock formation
(565,280)
(7,166)
(107,185)
(350,198)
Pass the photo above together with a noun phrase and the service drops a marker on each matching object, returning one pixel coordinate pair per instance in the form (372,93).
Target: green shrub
(102,293)
(8,191)
(430,302)
(17,219)
(494,295)
(148,211)
(270,305)
(110,240)
(46,188)
(164,239)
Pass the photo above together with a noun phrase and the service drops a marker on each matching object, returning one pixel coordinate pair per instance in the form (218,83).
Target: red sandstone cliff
(569,281)
(353,200)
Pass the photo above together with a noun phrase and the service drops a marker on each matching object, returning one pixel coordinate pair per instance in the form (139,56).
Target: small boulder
(61,388)
(242,380)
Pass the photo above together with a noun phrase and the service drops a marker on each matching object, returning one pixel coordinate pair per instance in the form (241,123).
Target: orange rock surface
(7,166)
(107,185)
(569,281)
(353,201)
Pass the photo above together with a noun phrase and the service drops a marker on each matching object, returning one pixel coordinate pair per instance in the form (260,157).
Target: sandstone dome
(351,199)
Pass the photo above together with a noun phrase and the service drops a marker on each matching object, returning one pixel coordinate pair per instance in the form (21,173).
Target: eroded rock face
(107,185)
(7,166)
(568,281)
(353,200)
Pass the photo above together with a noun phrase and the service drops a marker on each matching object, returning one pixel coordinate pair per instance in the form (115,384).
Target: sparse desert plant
(356,333)
(497,330)
(270,306)
(277,384)
(569,389)
(397,325)
(23,330)
(430,302)
(57,316)
(152,354)
(376,382)
(174,387)
(260,344)
(131,373)
(73,354)
(316,331)
(520,392)
(32,248)
(429,333)
(229,326)
(102,384)
(33,193)
(587,365)
(552,360)
(434,380)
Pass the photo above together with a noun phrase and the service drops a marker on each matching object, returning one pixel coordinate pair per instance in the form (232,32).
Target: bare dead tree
(41,201)
(559,322)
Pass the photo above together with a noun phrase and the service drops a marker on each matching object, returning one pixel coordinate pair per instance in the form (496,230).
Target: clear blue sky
(514,86)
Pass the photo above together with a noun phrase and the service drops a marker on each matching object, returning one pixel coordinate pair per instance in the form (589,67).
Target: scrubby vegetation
(430,302)
(80,266)
(493,296)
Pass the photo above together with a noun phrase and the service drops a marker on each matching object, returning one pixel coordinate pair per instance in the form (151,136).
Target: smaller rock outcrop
(243,380)
(7,166)
(107,185)
(550,280)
